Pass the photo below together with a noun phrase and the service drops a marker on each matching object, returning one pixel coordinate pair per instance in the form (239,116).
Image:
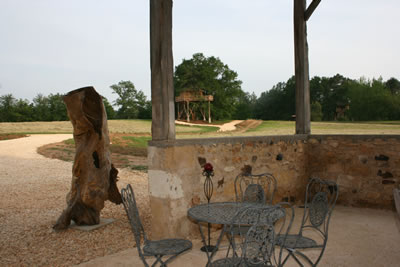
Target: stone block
(88,228)
(333,144)
(335,168)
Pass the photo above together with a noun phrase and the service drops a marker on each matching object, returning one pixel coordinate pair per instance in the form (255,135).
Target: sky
(55,46)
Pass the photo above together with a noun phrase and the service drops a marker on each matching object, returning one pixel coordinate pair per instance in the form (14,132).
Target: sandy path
(32,196)
(230,126)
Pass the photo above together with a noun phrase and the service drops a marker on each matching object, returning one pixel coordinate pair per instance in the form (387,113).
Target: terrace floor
(357,237)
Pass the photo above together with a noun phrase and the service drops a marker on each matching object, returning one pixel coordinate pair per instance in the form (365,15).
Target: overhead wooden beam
(161,64)
(303,125)
(314,4)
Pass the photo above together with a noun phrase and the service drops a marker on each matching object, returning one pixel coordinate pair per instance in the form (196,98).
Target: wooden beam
(301,69)
(314,4)
(161,64)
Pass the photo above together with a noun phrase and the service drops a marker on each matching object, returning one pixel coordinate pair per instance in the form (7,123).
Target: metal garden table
(219,213)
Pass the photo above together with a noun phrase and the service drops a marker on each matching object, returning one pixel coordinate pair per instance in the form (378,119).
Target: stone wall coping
(268,138)
(228,140)
(355,136)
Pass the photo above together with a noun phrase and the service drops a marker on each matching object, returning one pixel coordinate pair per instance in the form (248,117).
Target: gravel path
(32,196)
(230,126)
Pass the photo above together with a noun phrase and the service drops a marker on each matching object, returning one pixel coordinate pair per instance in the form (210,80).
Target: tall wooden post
(209,112)
(303,125)
(162,86)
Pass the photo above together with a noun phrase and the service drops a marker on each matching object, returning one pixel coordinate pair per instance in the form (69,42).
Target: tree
(7,108)
(109,109)
(393,85)
(330,92)
(213,76)
(129,100)
(23,110)
(41,108)
(278,103)
(370,100)
(56,108)
(316,111)
(246,106)
(145,112)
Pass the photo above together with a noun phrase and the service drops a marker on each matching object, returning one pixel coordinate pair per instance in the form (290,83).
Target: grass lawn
(143,128)
(114,126)
(288,127)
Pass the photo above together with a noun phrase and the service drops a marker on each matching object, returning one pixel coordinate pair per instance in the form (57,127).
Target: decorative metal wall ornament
(208,172)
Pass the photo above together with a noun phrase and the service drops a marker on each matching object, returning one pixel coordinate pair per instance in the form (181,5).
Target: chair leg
(158,260)
(169,259)
(296,259)
(292,253)
(231,241)
(304,257)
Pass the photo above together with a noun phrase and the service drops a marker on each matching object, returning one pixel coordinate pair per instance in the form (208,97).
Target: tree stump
(94,178)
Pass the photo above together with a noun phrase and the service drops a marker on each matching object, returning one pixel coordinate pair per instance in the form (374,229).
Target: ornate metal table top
(221,212)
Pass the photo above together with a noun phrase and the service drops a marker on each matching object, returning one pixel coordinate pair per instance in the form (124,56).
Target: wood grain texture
(311,8)
(301,69)
(162,86)
(94,177)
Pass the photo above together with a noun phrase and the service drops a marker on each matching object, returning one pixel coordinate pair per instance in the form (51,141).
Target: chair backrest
(257,188)
(321,197)
(129,201)
(257,242)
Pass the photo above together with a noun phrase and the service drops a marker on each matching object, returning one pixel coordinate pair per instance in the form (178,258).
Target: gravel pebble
(32,196)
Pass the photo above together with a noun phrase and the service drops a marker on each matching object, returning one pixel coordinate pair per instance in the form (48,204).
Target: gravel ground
(32,196)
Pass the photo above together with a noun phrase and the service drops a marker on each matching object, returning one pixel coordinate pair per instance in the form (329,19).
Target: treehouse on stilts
(188,101)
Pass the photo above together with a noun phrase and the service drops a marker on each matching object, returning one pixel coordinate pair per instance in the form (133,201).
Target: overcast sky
(55,46)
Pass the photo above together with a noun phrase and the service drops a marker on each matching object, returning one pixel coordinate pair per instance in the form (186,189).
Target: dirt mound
(122,154)
(11,136)
(247,124)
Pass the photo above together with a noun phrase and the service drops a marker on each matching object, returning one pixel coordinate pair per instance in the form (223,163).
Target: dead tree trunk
(94,178)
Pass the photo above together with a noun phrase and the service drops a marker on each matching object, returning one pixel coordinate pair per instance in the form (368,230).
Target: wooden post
(187,111)
(161,64)
(314,4)
(178,110)
(301,69)
(209,112)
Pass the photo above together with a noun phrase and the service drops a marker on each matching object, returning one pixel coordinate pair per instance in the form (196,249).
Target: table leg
(208,247)
(210,256)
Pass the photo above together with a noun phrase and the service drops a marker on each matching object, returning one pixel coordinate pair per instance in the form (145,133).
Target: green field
(143,127)
(288,127)
(114,126)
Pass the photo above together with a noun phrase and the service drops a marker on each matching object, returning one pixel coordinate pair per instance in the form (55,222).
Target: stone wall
(365,167)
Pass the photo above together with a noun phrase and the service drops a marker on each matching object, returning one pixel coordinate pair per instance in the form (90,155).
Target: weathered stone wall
(365,167)
(176,181)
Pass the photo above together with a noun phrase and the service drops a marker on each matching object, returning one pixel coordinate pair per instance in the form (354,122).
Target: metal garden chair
(255,188)
(320,200)
(159,248)
(256,245)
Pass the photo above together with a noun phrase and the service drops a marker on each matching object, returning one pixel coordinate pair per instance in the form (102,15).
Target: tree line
(334,98)
(331,98)
(130,104)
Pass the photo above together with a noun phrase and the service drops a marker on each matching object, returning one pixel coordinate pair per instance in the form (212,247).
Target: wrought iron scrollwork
(319,209)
